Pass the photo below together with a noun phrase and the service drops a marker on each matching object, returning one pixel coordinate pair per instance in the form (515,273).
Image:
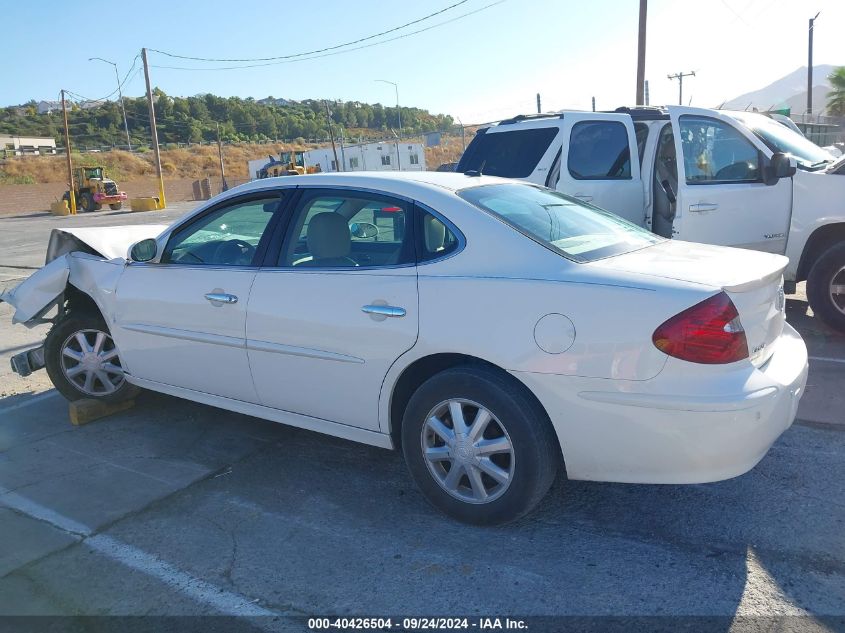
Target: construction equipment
(92,189)
(289,164)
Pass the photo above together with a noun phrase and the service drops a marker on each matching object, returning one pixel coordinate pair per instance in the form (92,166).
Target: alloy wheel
(468,451)
(90,362)
(837,289)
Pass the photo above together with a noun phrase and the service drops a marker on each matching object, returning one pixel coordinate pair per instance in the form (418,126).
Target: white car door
(721,194)
(599,163)
(180,320)
(325,324)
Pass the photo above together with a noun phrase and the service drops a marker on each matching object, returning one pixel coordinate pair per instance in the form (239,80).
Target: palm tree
(836,96)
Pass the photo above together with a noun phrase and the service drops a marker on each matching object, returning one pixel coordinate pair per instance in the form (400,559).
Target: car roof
(395,181)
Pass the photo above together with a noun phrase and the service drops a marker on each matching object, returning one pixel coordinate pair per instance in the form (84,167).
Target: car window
(567,226)
(228,236)
(716,152)
(510,154)
(599,150)
(435,239)
(641,131)
(347,230)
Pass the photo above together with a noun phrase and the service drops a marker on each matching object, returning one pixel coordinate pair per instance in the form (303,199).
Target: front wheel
(117,206)
(83,362)
(479,446)
(826,287)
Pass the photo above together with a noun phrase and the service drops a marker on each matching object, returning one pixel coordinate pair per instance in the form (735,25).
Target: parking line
(33,400)
(226,602)
(828,359)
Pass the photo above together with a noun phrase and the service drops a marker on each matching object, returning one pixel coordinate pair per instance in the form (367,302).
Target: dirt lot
(174,508)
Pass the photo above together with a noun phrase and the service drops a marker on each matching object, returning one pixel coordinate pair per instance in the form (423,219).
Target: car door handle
(583,196)
(221,297)
(703,207)
(388,311)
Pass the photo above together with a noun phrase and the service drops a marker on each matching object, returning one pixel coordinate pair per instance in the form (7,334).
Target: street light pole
(810,67)
(398,109)
(120,95)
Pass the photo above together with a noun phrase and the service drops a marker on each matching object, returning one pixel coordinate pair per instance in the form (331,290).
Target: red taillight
(708,332)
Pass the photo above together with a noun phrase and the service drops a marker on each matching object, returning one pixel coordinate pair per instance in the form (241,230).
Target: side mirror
(780,166)
(143,251)
(363,229)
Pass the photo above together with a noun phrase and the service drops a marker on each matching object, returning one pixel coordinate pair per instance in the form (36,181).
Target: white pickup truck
(718,177)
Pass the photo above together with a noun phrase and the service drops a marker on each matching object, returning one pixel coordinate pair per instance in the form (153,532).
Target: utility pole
(538,103)
(71,192)
(810,68)
(331,135)
(120,95)
(224,186)
(398,109)
(463,137)
(645,83)
(680,78)
(640,100)
(161,201)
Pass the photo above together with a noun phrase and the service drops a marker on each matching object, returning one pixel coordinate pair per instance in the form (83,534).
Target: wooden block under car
(85,411)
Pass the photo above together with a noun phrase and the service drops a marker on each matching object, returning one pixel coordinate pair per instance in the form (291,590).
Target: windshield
(780,138)
(567,226)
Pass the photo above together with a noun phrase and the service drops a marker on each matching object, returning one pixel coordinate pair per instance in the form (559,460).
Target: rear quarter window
(510,154)
(599,150)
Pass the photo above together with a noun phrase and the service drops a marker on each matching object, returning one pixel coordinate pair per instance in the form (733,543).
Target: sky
(485,66)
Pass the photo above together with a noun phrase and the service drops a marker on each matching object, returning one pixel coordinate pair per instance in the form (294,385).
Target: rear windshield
(511,154)
(577,231)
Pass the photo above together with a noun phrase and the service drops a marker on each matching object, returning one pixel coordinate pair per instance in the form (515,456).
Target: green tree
(836,97)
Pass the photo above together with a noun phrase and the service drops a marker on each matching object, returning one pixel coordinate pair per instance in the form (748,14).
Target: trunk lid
(753,280)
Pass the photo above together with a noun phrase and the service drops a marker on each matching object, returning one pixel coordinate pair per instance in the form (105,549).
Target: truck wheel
(86,201)
(478,446)
(83,362)
(97,206)
(826,287)
(117,206)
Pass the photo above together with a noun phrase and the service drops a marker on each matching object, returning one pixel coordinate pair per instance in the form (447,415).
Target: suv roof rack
(643,113)
(528,117)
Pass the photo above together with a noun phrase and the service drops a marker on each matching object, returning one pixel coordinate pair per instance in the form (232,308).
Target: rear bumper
(687,425)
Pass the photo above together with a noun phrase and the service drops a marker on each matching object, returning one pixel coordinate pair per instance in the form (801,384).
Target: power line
(319,50)
(329,54)
(113,92)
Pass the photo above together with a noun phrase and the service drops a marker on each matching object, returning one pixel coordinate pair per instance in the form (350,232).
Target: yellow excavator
(289,164)
(92,189)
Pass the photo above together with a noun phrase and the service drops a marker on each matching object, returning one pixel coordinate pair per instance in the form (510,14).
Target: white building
(388,156)
(20,145)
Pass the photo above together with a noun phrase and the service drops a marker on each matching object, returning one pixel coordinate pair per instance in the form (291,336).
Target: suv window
(510,154)
(227,236)
(715,152)
(599,150)
(345,229)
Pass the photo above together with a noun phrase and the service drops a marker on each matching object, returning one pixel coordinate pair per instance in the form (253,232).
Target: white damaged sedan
(493,331)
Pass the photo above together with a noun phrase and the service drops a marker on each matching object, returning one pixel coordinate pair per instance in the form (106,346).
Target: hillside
(196,119)
(787,90)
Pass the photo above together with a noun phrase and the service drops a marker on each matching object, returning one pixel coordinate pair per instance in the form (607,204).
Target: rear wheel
(117,206)
(826,287)
(83,362)
(478,446)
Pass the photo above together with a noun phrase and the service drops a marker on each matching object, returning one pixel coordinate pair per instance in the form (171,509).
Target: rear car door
(599,163)
(721,197)
(336,306)
(180,321)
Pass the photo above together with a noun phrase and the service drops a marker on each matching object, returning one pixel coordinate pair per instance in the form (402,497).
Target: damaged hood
(109,242)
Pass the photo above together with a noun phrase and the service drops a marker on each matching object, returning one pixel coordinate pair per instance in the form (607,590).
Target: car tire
(827,274)
(513,417)
(63,352)
(117,206)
